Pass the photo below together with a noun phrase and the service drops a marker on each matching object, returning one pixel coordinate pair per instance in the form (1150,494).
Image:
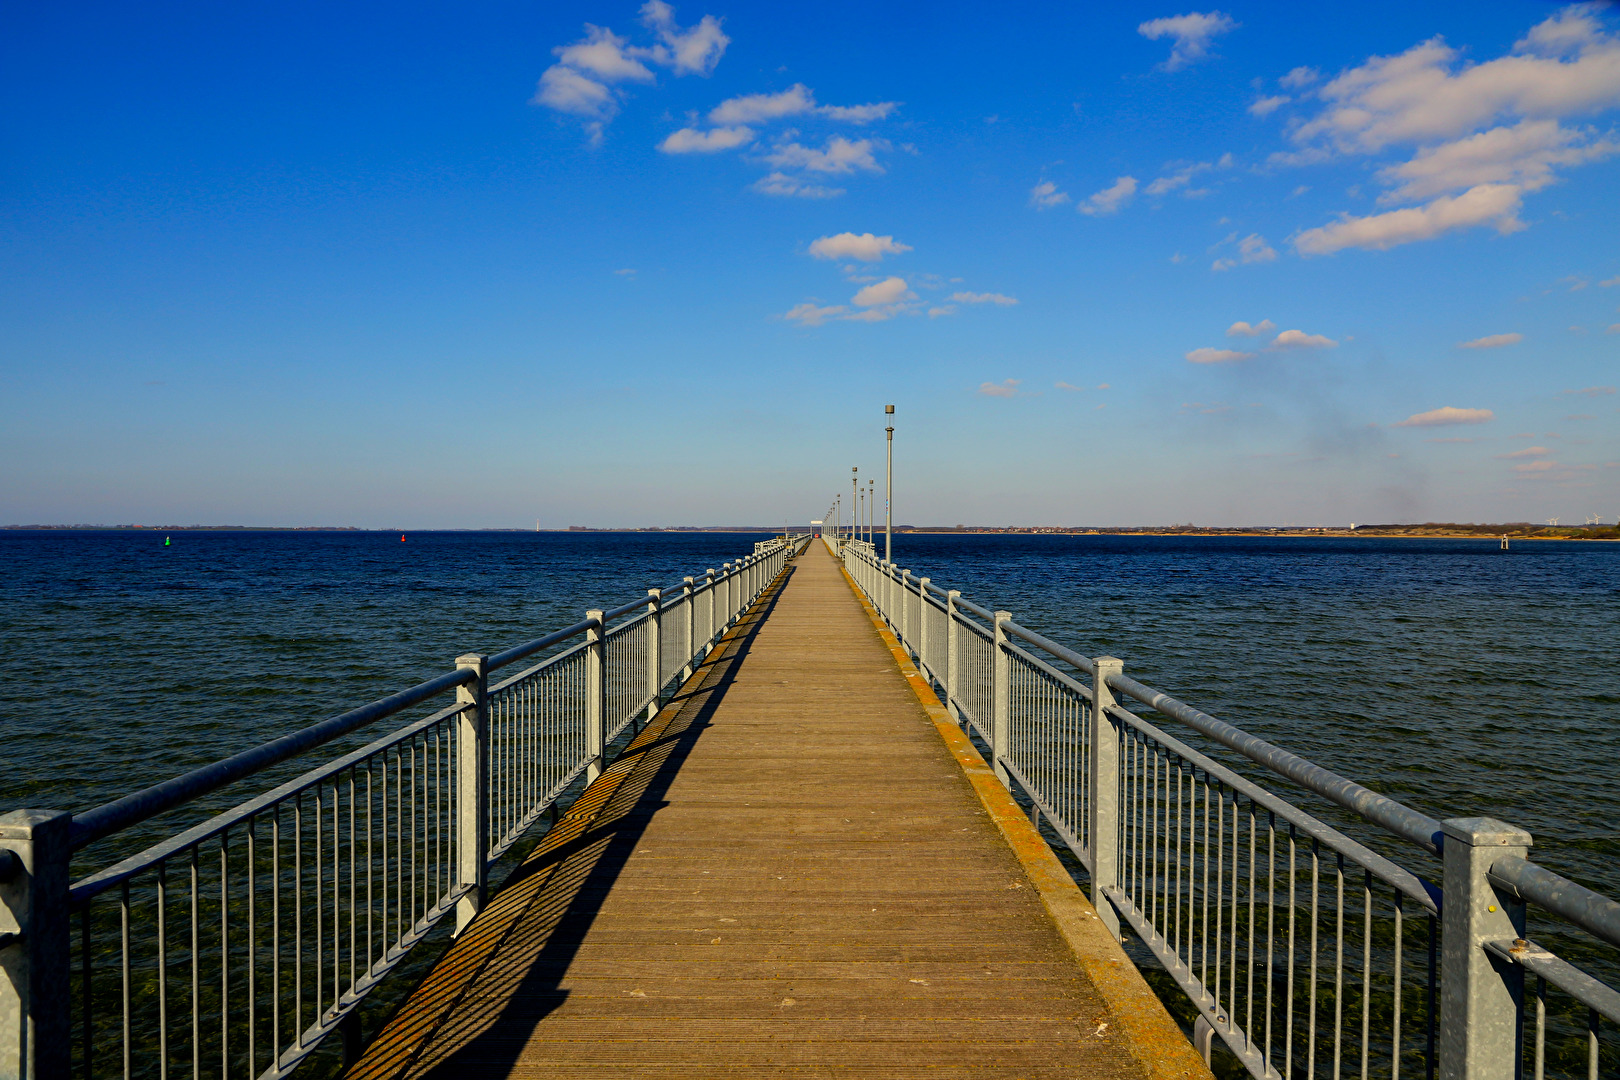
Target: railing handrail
(1377,808)
(1586,908)
(127,810)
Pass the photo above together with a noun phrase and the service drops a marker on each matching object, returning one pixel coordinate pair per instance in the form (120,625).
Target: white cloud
(1565,66)
(1045,195)
(1184,174)
(626,273)
(1523,155)
(1447,414)
(1243,329)
(1299,339)
(810,315)
(579,83)
(1217,356)
(763,108)
(1606,284)
(1529,451)
(1005,388)
(891,290)
(1191,33)
(1299,78)
(695,50)
(1110,199)
(566,90)
(1487,204)
(1267,105)
(1536,466)
(1254,248)
(1451,112)
(692,141)
(862,246)
(1593,391)
(982,298)
(780,183)
(840,156)
(942,309)
(1251,249)
(1491,341)
(796,100)
(1614,328)
(1061,385)
(859,114)
(604,55)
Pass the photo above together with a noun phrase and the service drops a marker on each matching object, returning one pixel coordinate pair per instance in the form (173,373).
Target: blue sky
(611,264)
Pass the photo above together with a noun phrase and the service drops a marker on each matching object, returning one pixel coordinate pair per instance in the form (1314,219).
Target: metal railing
(234,947)
(1306,951)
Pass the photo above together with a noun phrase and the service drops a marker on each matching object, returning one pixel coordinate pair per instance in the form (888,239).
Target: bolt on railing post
(690,596)
(1102,818)
(472,788)
(1001,701)
(951,645)
(1480,994)
(922,630)
(595,719)
(36,956)
(655,648)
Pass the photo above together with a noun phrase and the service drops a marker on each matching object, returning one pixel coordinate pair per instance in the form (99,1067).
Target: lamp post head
(889,409)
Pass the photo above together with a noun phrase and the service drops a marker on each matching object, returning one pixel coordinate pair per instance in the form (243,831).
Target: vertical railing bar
(1338,966)
(252,943)
(1541,1028)
(275,936)
(1366,966)
(224,955)
(1271,916)
(1310,1067)
(196,976)
(1395,1026)
(123,930)
(163,968)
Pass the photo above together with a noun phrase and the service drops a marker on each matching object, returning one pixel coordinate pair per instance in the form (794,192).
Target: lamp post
(888,495)
(871,503)
(854,499)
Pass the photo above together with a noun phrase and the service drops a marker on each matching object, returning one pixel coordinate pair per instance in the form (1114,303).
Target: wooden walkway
(789,873)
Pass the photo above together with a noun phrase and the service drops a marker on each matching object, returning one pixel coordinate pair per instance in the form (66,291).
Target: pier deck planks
(785,875)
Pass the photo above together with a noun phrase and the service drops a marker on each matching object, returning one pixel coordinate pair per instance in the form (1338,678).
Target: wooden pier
(800,868)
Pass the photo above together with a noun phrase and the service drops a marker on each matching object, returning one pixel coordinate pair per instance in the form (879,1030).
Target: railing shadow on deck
(518,983)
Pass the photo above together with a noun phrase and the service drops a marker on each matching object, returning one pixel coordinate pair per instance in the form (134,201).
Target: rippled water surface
(1459,678)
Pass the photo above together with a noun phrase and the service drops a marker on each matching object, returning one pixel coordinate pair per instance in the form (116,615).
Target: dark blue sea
(1447,673)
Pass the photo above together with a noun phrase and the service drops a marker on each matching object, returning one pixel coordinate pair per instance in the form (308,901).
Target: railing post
(472,787)
(922,630)
(1479,993)
(595,718)
(708,638)
(35,945)
(690,595)
(655,648)
(1102,819)
(905,612)
(951,654)
(1001,701)
(727,577)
